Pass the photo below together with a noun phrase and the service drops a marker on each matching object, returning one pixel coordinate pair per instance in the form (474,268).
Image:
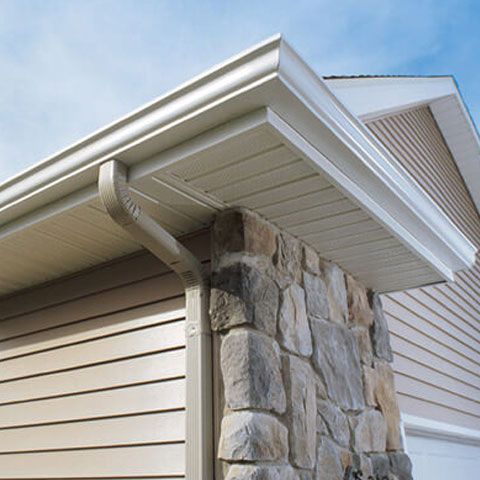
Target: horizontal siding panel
(136,267)
(458,304)
(427,323)
(430,374)
(410,349)
(428,408)
(431,301)
(406,384)
(414,139)
(103,303)
(92,383)
(432,345)
(435,330)
(125,345)
(164,427)
(147,368)
(151,460)
(155,397)
(80,332)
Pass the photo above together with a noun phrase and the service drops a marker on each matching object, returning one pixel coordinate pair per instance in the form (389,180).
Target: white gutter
(113,190)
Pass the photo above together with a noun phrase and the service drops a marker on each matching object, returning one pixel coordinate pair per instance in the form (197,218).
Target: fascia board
(270,75)
(77,165)
(371,97)
(466,151)
(375,172)
(154,164)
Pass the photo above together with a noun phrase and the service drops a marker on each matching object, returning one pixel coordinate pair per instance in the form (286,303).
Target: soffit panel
(254,169)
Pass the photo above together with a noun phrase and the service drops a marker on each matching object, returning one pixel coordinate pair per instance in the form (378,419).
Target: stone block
(253,437)
(311,260)
(251,370)
(336,422)
(331,460)
(293,323)
(302,411)
(288,257)
(386,398)
(336,292)
(257,472)
(379,330)
(380,465)
(369,385)
(336,358)
(303,475)
(401,465)
(369,432)
(359,311)
(364,343)
(243,295)
(315,296)
(239,230)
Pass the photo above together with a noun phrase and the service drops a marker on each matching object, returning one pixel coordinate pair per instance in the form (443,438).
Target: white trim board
(425,427)
(374,97)
(267,84)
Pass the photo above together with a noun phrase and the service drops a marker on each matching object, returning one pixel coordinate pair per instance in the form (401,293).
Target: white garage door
(92,376)
(435,459)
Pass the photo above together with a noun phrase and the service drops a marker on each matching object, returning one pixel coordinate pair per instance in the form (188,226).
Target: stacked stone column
(305,362)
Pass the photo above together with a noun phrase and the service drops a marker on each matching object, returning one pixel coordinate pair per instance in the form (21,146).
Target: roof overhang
(372,97)
(264,110)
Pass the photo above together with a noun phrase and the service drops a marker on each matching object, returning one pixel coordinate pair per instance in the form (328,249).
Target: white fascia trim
(425,427)
(270,74)
(464,146)
(348,186)
(235,77)
(373,168)
(371,98)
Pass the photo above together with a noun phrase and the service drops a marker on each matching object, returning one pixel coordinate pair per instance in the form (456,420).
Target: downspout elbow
(114,193)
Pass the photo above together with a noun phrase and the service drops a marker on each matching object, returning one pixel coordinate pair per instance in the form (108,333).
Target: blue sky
(68,67)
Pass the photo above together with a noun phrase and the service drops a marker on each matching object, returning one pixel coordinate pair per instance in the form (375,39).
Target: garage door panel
(130,430)
(125,345)
(150,368)
(439,459)
(165,395)
(152,460)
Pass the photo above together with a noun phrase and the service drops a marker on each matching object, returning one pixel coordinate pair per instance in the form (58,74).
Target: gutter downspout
(113,190)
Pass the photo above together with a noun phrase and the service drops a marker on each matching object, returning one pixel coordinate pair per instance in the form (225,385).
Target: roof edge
(256,64)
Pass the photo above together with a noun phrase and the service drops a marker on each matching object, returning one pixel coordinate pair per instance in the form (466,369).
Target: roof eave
(308,115)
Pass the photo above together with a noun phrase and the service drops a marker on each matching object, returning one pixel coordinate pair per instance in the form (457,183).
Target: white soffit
(261,131)
(372,97)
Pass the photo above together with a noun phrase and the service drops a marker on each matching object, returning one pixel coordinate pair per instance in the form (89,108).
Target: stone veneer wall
(307,387)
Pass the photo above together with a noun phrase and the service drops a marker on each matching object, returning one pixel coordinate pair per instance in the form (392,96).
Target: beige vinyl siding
(435,330)
(92,375)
